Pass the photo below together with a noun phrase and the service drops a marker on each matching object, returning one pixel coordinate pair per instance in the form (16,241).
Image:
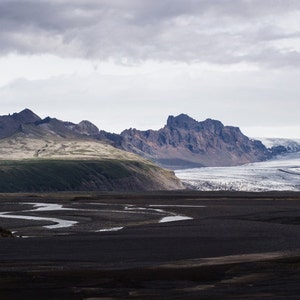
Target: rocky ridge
(184,142)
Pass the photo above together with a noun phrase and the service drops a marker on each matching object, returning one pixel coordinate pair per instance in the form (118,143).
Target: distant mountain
(28,123)
(184,142)
(52,155)
(13,123)
(279,146)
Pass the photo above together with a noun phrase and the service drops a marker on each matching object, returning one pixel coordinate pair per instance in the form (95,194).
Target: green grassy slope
(40,175)
(40,161)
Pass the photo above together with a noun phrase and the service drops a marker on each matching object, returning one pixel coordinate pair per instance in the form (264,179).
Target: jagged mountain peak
(87,127)
(212,123)
(184,121)
(10,124)
(26,116)
(185,142)
(29,123)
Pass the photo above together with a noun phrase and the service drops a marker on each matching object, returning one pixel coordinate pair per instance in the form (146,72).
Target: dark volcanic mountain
(185,142)
(27,122)
(13,123)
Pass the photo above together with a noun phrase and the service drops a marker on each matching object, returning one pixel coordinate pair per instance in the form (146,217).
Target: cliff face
(185,142)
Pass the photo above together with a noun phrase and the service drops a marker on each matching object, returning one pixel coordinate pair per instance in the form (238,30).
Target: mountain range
(182,143)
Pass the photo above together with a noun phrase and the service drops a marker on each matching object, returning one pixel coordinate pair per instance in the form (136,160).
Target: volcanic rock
(184,142)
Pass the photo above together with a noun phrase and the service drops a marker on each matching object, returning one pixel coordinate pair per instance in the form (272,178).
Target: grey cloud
(215,31)
(44,15)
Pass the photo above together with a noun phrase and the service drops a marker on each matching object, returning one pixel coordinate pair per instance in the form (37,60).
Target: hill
(52,155)
(45,175)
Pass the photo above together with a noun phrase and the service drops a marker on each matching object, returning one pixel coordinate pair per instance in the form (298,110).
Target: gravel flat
(234,246)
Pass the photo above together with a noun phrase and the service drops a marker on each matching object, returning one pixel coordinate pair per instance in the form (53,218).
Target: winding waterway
(160,212)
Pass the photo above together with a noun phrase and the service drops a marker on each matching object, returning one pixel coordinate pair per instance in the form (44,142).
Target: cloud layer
(223,32)
(131,63)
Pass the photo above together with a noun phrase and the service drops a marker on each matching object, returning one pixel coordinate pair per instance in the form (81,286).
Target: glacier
(278,174)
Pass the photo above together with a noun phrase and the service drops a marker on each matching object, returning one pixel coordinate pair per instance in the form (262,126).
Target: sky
(132,63)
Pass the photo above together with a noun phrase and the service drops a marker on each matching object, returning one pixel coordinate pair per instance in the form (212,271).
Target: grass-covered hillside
(52,163)
(40,175)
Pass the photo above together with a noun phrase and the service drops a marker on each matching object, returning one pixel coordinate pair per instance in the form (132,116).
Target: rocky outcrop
(5,233)
(185,142)
(84,127)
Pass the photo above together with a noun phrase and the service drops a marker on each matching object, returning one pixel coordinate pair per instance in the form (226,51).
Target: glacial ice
(279,174)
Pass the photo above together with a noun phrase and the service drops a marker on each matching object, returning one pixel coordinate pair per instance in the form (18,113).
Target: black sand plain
(235,246)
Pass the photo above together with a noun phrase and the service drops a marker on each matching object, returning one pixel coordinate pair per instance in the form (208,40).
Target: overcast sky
(131,63)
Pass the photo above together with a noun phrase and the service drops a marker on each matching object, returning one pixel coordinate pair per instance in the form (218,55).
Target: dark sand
(238,246)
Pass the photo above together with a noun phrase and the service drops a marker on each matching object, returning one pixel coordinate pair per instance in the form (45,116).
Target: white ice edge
(174,219)
(168,205)
(46,206)
(145,209)
(110,229)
